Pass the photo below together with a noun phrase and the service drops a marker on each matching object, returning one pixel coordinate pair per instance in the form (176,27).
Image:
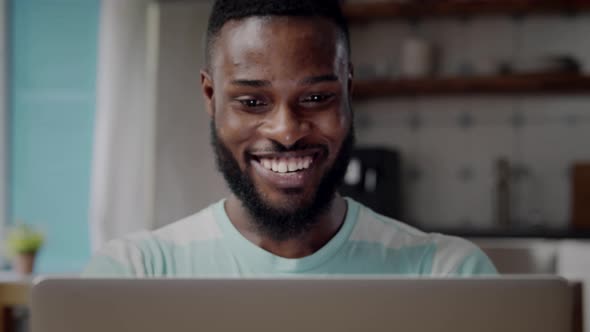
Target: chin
(289,200)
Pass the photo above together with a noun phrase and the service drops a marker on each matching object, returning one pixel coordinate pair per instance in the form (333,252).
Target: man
(277,86)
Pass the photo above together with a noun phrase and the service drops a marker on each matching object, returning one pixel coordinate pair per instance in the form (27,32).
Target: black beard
(276,223)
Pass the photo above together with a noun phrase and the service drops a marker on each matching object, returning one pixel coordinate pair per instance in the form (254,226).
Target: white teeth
(283,168)
(286,164)
(293,165)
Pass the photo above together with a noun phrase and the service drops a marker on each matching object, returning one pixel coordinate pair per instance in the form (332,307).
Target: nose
(285,126)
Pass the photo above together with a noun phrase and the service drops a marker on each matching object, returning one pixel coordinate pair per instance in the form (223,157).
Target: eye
(318,98)
(251,102)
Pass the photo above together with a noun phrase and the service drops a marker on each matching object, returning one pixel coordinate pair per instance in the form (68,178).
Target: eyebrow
(252,83)
(306,81)
(319,79)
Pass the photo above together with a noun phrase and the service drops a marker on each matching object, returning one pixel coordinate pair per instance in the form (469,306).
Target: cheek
(333,126)
(234,128)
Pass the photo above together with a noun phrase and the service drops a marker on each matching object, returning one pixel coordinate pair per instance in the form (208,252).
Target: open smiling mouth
(286,170)
(287,164)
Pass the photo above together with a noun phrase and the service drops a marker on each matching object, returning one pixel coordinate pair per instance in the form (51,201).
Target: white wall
(186,178)
(452,170)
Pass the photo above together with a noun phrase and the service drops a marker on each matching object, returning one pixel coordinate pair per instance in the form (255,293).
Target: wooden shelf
(534,84)
(445,8)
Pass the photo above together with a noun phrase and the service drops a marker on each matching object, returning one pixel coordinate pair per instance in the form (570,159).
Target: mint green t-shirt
(206,244)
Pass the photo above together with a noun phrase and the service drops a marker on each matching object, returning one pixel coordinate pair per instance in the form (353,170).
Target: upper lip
(290,154)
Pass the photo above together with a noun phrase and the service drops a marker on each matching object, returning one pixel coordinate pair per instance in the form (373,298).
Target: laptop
(517,304)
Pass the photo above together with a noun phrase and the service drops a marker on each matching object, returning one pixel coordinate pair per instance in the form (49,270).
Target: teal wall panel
(53,82)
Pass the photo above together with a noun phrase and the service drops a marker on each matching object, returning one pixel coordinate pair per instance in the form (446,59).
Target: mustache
(276,147)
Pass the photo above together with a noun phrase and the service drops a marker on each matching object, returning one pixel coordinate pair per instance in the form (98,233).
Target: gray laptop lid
(289,305)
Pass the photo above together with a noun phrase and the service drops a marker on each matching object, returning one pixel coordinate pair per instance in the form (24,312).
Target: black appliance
(374,179)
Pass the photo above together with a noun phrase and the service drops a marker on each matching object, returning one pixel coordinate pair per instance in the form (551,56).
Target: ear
(208,92)
(350,80)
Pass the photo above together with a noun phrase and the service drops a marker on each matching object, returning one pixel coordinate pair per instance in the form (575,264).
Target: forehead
(257,45)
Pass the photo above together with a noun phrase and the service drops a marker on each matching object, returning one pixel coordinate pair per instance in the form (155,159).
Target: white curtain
(124,141)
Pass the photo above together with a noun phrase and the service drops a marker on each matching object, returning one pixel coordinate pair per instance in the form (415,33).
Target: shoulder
(147,253)
(119,258)
(459,257)
(201,226)
(390,233)
(450,255)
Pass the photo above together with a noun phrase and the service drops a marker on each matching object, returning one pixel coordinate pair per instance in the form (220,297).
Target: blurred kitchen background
(472,118)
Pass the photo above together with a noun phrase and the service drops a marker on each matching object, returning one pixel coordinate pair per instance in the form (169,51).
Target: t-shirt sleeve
(460,258)
(117,259)
(476,263)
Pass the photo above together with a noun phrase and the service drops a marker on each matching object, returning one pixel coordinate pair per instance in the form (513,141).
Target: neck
(325,228)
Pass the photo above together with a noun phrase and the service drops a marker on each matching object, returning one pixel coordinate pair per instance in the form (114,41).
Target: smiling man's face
(278,92)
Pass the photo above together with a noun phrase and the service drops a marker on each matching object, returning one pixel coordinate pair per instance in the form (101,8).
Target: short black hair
(227,10)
